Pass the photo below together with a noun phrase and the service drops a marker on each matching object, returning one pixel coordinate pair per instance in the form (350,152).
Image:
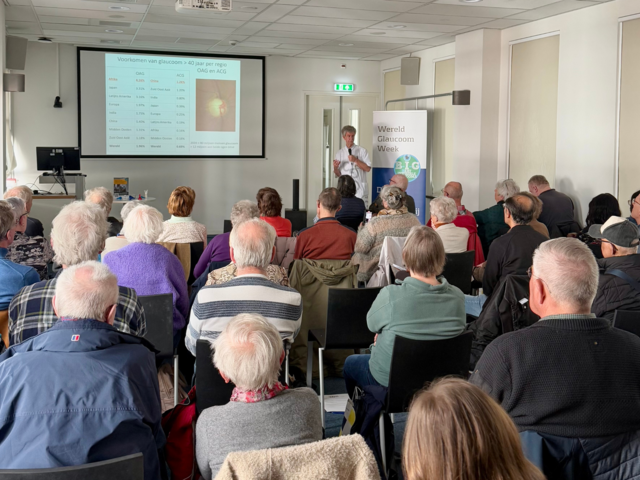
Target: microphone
(349,151)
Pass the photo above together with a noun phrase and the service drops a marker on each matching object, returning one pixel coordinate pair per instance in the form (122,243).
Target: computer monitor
(58,159)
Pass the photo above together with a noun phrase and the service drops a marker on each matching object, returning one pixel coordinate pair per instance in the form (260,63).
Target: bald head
(252,244)
(400,181)
(520,210)
(453,190)
(22,192)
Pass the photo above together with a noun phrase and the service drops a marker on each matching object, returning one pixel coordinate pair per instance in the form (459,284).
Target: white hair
(444,209)
(127,207)
(252,242)
(78,233)
(18,206)
(143,225)
(20,191)
(86,291)
(570,271)
(7,219)
(101,196)
(507,188)
(248,351)
(244,210)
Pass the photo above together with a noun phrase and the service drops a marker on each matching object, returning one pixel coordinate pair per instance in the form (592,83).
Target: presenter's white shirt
(348,168)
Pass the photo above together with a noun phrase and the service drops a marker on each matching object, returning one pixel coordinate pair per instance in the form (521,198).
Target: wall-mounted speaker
(16,52)
(410,71)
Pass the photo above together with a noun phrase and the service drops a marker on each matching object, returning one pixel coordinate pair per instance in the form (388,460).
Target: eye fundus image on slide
(153,105)
(215,105)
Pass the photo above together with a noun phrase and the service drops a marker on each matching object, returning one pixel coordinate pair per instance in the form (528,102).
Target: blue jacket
(13,277)
(79,393)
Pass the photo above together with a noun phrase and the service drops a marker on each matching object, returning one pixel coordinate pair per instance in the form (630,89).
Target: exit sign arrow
(343,87)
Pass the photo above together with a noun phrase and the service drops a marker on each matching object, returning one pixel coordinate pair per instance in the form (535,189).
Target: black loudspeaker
(410,71)
(461,97)
(227,226)
(298,219)
(296,195)
(16,52)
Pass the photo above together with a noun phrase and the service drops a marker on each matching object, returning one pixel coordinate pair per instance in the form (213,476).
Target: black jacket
(511,253)
(557,209)
(34,228)
(613,292)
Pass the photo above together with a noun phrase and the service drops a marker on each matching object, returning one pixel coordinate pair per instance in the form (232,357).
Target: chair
(390,254)
(458,270)
(130,467)
(346,328)
(4,327)
(416,362)
(202,280)
(627,320)
(227,226)
(188,254)
(158,310)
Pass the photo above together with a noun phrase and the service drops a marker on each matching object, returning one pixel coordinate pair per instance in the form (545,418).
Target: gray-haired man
(353,160)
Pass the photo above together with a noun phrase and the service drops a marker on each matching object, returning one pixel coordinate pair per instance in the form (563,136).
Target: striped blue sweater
(216,305)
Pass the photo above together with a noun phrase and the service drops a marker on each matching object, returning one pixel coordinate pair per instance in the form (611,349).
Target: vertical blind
(442,140)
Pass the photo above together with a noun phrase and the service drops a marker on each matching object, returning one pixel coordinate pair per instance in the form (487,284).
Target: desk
(54,197)
(148,199)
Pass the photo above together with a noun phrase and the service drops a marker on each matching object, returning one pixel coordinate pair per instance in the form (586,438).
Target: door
(326,115)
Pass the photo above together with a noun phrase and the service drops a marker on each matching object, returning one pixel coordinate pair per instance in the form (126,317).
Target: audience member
(511,253)
(538,226)
(181,228)
(443,213)
(327,238)
(103,197)
(456,431)
(150,268)
(30,251)
(571,374)
(252,248)
(557,208)
(14,276)
(634,205)
(619,269)
(353,160)
(424,307)
(78,234)
(601,208)
(218,248)
(115,243)
(82,391)
(262,412)
(491,220)
(402,182)
(454,191)
(352,209)
(393,221)
(270,206)
(34,226)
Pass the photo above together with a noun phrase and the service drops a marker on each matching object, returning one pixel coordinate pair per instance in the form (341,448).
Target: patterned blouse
(274,273)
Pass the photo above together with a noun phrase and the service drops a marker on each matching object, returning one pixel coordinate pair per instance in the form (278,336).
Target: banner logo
(407,165)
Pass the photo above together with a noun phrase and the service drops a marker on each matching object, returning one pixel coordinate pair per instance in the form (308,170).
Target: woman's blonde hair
(456,431)
(181,201)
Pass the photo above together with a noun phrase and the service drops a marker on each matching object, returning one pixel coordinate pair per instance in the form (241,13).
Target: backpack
(179,425)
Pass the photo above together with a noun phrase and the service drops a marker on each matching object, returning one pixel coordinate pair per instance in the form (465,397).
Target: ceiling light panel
(520,4)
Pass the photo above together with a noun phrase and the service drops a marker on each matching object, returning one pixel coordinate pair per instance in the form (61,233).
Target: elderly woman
(33,252)
(424,307)
(393,221)
(352,208)
(270,206)
(180,228)
(119,241)
(103,197)
(262,412)
(149,268)
(443,213)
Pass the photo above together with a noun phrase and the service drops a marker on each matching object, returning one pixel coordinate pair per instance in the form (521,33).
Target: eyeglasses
(20,218)
(631,202)
(531,274)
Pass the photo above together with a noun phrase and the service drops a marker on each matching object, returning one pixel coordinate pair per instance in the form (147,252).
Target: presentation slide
(158,105)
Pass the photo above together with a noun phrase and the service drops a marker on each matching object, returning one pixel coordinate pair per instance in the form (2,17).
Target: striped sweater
(216,305)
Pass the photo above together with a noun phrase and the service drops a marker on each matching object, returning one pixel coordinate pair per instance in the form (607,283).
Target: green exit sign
(343,87)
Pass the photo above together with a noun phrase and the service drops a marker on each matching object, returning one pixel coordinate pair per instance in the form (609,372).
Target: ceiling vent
(114,24)
(214,6)
(110,42)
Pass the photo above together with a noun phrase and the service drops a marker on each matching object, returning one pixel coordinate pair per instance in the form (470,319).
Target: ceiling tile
(291,2)
(503,23)
(310,29)
(553,9)
(419,27)
(20,2)
(375,5)
(380,46)
(156,38)
(301,41)
(70,33)
(87,28)
(520,4)
(437,19)
(170,46)
(380,39)
(379,57)
(336,55)
(251,44)
(345,49)
(234,16)
(104,15)
(274,13)
(195,41)
(88,5)
(20,14)
(442,40)
(294,46)
(330,22)
(338,13)
(466,11)
(309,35)
(250,28)
(23,27)
(407,49)
(399,34)
(187,28)
(182,20)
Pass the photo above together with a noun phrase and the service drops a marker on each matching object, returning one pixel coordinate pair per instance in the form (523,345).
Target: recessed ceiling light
(397,27)
(247,7)
(116,16)
(118,7)
(44,40)
(346,44)
(378,33)
(111,30)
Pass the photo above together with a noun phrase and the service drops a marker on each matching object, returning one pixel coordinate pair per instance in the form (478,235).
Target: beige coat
(339,458)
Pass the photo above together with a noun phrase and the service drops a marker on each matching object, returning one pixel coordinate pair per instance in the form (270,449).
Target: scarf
(253,396)
(399,211)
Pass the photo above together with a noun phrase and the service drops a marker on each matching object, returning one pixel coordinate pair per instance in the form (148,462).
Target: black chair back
(458,270)
(195,249)
(202,280)
(227,226)
(627,320)
(347,317)
(130,467)
(416,362)
(158,311)
(211,387)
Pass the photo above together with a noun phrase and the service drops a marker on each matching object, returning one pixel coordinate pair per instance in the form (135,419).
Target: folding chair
(458,270)
(627,320)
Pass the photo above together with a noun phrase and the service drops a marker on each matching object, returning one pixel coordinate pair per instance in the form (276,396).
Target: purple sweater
(216,251)
(152,270)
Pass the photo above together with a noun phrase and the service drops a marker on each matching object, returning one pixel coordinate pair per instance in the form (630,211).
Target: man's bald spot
(524,202)
(454,190)
(400,181)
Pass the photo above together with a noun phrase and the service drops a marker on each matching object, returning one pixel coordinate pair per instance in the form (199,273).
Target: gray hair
(347,129)
(127,207)
(507,188)
(570,271)
(101,196)
(444,209)
(143,225)
(7,219)
(244,210)
(394,196)
(18,206)
(78,233)
(538,180)
(20,191)
(86,291)
(252,242)
(248,352)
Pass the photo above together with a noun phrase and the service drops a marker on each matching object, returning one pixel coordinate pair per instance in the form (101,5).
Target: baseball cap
(617,230)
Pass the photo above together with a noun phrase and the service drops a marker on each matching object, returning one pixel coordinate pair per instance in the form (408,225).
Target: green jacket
(414,310)
(490,225)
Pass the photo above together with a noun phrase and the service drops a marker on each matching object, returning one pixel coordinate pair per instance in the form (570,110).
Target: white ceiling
(343,29)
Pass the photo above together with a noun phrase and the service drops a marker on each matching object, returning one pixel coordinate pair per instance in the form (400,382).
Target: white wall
(218,183)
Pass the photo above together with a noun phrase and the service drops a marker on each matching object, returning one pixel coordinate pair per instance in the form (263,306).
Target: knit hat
(617,230)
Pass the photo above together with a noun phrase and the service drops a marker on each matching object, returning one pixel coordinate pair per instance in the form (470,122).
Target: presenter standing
(353,160)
